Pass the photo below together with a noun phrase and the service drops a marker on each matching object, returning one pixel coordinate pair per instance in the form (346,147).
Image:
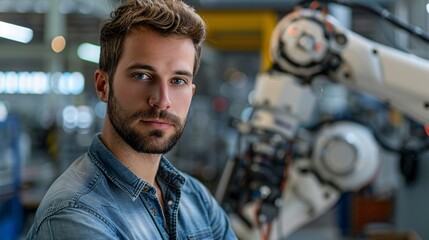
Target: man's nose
(160,97)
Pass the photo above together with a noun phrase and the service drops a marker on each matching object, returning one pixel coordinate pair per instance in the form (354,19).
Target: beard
(152,142)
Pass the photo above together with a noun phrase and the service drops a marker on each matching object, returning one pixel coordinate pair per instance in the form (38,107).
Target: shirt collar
(123,177)
(170,174)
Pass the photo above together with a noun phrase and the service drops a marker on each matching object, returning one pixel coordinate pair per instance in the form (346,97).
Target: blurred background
(49,111)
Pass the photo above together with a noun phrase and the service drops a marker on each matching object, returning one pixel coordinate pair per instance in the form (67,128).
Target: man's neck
(143,165)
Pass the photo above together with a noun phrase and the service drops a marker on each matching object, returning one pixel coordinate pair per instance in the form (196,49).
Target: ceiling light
(15,33)
(89,52)
(58,44)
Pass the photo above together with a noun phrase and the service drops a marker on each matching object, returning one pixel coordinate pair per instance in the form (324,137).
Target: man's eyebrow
(150,68)
(141,66)
(184,73)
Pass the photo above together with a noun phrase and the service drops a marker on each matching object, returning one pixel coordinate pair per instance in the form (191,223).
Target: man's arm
(219,221)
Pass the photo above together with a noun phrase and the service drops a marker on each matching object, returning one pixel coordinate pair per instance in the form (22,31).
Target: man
(123,187)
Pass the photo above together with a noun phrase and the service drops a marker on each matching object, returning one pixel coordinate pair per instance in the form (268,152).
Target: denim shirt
(99,198)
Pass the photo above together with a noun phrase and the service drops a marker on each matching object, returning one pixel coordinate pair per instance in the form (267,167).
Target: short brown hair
(163,16)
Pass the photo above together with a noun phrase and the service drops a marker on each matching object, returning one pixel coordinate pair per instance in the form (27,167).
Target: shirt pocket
(203,234)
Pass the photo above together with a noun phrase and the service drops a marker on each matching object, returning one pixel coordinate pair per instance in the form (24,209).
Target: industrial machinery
(286,173)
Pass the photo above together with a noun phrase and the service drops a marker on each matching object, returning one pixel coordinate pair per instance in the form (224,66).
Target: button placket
(153,206)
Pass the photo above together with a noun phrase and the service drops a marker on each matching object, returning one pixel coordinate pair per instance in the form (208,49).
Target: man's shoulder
(191,182)
(72,188)
(195,186)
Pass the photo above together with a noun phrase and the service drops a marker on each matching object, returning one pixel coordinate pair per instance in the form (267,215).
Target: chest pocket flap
(200,235)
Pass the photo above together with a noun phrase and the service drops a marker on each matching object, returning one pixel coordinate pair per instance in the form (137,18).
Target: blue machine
(10,205)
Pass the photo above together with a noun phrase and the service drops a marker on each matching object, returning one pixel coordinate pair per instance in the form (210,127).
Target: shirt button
(145,188)
(170,202)
(154,212)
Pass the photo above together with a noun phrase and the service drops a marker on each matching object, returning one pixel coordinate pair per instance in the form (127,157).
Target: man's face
(152,90)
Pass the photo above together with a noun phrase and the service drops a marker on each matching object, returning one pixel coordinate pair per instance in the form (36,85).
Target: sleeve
(72,224)
(219,218)
(220,225)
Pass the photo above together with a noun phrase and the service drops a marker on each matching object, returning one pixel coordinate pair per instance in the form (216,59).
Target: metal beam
(98,8)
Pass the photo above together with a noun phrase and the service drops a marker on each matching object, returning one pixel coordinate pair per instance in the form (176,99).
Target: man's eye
(178,81)
(141,76)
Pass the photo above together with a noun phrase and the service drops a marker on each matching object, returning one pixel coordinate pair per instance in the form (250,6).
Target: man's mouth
(157,123)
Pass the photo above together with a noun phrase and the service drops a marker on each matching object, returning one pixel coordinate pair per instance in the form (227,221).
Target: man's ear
(101,80)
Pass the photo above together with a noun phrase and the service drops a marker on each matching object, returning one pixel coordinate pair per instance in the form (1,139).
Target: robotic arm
(309,42)
(283,177)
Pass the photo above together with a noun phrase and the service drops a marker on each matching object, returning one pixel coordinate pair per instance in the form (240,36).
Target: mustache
(155,113)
